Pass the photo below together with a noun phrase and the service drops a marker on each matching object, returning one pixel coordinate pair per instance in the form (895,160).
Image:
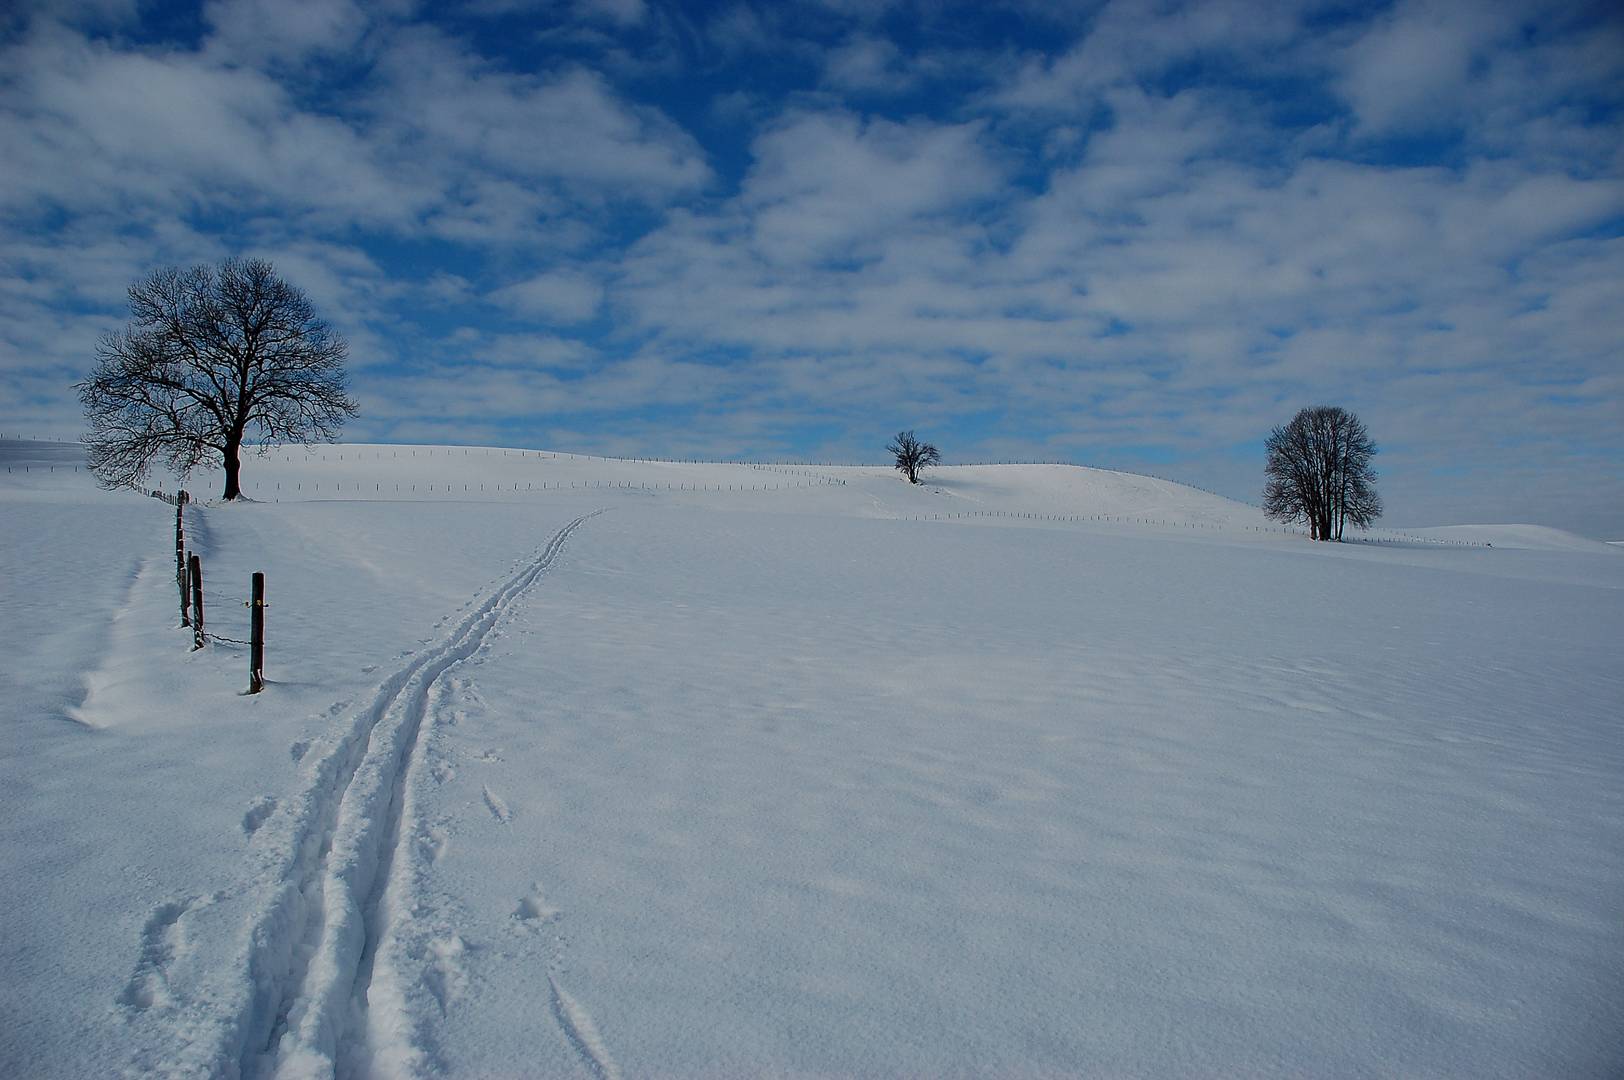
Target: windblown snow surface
(576,767)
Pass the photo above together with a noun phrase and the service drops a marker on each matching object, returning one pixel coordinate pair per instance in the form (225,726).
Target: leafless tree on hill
(1318,472)
(212,356)
(912,455)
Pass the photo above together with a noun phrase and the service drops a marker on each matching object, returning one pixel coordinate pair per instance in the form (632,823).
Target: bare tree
(1362,506)
(1318,472)
(212,356)
(912,455)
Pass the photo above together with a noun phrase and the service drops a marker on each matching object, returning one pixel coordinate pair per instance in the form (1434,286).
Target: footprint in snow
(446,976)
(533,907)
(162,939)
(499,809)
(435,842)
(256,815)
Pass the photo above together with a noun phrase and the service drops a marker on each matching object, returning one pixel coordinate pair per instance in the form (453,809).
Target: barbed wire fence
(189,575)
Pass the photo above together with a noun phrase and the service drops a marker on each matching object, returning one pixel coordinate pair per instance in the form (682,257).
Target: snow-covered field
(570,766)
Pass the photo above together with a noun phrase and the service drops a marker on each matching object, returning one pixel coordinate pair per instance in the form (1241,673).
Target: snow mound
(972,494)
(969,493)
(1529,537)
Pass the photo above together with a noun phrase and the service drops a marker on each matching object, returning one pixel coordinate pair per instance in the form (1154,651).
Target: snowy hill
(486,474)
(1532,537)
(575,766)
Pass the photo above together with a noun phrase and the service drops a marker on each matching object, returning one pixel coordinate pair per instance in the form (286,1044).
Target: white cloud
(1412,67)
(1131,40)
(87,14)
(830,184)
(534,351)
(741,28)
(620,12)
(446,140)
(558,297)
(456,111)
(96,129)
(867,63)
(260,32)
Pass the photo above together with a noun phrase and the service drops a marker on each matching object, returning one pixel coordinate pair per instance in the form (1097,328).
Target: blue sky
(1122,234)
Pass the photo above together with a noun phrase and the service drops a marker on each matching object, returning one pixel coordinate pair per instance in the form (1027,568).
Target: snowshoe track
(312,949)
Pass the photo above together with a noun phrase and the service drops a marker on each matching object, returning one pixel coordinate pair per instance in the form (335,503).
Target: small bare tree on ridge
(912,455)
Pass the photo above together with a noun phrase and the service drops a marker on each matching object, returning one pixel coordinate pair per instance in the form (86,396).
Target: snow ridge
(312,951)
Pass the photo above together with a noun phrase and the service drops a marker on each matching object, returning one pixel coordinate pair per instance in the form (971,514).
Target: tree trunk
(233,463)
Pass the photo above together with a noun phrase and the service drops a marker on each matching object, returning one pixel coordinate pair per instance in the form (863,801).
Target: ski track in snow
(314,948)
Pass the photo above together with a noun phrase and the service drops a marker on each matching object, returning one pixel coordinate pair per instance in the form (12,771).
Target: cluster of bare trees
(1318,472)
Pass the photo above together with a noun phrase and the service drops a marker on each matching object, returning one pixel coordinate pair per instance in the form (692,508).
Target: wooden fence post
(256,636)
(180,556)
(196,574)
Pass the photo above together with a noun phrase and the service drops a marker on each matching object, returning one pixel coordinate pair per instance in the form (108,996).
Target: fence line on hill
(799,469)
(1131,519)
(189,577)
(787,468)
(517,488)
(780,465)
(683,486)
